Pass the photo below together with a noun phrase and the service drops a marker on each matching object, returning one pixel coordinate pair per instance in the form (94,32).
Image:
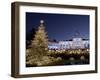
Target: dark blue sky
(59,26)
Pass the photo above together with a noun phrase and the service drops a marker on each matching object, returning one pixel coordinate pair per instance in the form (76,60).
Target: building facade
(75,43)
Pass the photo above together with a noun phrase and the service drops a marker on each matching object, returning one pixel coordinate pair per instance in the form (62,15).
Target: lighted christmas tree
(39,44)
(37,55)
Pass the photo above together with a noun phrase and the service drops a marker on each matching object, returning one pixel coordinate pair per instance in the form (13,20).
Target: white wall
(5,40)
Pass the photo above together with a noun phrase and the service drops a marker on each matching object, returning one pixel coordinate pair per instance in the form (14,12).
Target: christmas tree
(37,55)
(39,45)
(40,42)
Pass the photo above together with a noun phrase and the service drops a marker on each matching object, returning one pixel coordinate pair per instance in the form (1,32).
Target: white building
(75,43)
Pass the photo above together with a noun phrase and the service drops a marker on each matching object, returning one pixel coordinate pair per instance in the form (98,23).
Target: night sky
(59,26)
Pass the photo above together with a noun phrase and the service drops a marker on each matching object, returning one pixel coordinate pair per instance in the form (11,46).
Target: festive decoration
(39,45)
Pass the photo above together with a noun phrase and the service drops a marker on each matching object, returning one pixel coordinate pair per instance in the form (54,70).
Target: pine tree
(39,44)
